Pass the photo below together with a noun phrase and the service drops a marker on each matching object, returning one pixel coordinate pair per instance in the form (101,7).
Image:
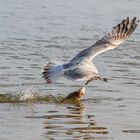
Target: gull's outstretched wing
(111,40)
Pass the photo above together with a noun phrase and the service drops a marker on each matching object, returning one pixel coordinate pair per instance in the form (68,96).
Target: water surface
(33,32)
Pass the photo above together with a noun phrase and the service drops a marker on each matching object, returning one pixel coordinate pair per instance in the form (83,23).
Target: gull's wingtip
(123,30)
(134,20)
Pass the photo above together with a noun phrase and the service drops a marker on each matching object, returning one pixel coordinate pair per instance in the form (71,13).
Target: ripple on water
(61,126)
(131,131)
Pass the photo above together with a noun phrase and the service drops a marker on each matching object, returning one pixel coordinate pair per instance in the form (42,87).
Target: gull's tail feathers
(120,32)
(52,72)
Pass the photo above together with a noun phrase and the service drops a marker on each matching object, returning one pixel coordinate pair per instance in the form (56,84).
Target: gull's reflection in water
(71,122)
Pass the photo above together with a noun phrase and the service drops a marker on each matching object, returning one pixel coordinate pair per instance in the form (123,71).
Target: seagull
(81,67)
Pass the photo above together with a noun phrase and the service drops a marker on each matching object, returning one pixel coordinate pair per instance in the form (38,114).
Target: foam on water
(27,94)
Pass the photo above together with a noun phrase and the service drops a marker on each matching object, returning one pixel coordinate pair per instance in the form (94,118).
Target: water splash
(27,94)
(31,96)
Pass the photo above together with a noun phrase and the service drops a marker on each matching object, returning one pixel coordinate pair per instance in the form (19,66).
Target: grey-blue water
(33,32)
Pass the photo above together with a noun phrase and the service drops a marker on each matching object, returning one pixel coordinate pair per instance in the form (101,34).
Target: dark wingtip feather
(46,73)
(126,28)
(120,32)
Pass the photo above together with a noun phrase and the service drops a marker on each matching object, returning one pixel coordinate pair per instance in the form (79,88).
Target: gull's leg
(99,77)
(88,81)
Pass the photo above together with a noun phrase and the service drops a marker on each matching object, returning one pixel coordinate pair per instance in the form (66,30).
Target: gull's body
(81,67)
